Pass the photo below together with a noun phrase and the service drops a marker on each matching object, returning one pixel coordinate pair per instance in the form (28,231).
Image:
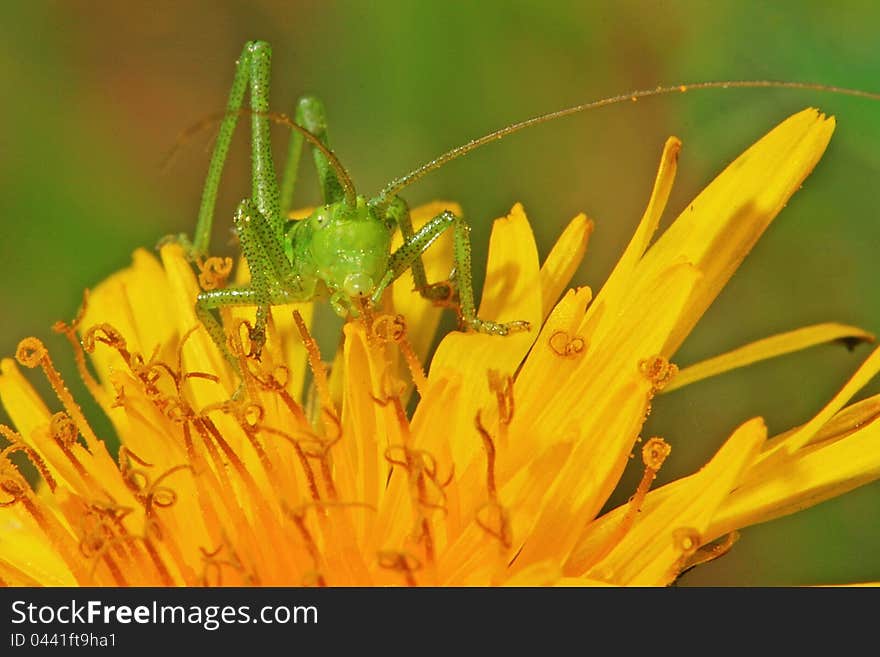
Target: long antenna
(394,187)
(339,170)
(275,117)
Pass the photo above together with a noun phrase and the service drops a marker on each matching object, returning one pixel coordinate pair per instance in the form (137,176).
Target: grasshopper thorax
(343,246)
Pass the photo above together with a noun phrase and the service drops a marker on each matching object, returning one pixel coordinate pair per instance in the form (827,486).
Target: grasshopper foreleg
(408,256)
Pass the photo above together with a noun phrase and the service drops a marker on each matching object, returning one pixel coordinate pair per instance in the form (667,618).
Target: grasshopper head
(349,247)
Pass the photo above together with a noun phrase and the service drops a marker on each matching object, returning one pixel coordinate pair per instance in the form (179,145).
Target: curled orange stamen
(17,444)
(162,496)
(276,382)
(299,520)
(213,563)
(492,517)
(12,484)
(63,429)
(659,371)
(101,531)
(32,353)
(654,453)
(565,345)
(69,331)
(125,453)
(503,389)
(421,466)
(421,469)
(389,328)
(214,272)
(489,446)
(402,562)
(106,334)
(319,372)
(320,453)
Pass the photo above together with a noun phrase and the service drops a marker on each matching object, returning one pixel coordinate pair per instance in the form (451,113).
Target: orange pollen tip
(63,429)
(111,337)
(214,272)
(654,453)
(567,346)
(30,352)
(659,371)
(389,328)
(11,483)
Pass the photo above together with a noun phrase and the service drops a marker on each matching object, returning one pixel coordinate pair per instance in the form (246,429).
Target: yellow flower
(497,477)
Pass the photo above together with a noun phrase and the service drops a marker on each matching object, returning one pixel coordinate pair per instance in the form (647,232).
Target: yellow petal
(619,283)
(807,477)
(719,228)
(135,302)
(776,345)
(583,384)
(24,406)
(555,354)
(369,423)
(27,558)
(563,261)
(548,520)
(649,553)
(512,292)
(200,354)
(799,437)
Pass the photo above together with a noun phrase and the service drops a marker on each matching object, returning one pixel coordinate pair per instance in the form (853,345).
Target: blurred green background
(97,92)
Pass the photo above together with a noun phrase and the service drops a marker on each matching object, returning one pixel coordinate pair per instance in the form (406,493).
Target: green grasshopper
(343,249)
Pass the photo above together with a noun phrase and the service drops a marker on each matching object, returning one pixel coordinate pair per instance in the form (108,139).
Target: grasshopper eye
(321,216)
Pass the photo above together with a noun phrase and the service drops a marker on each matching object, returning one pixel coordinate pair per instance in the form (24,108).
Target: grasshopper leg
(310,115)
(398,215)
(272,279)
(411,251)
(252,71)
